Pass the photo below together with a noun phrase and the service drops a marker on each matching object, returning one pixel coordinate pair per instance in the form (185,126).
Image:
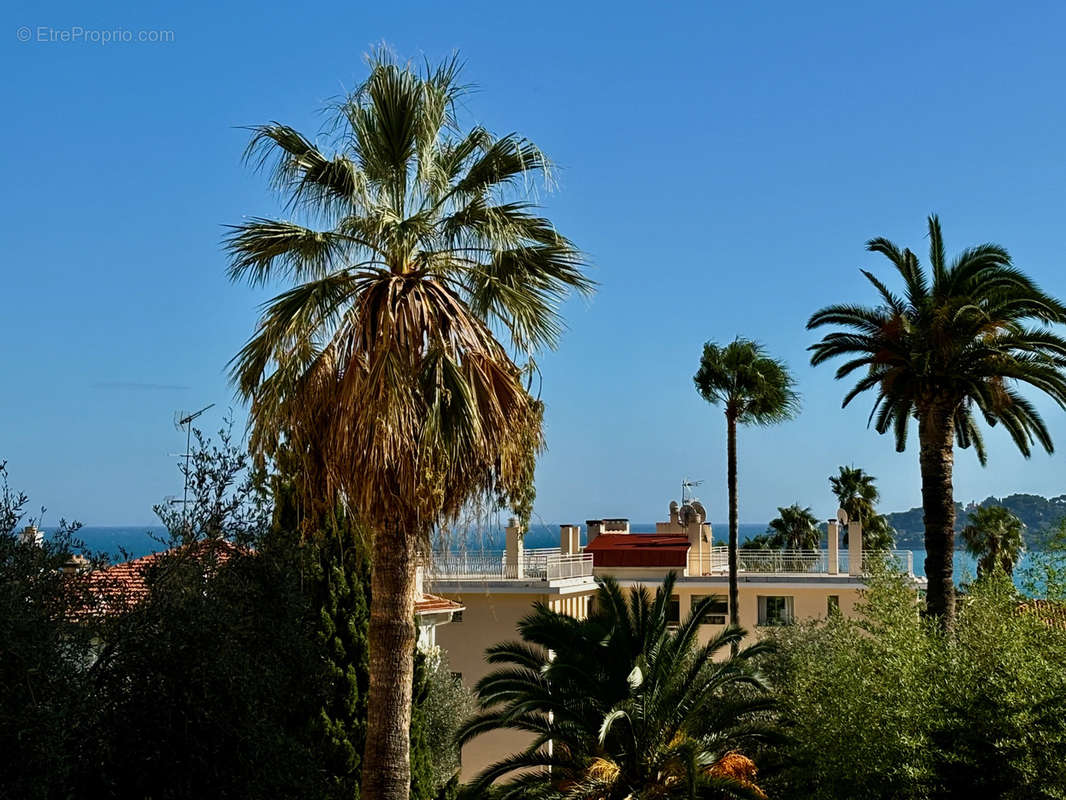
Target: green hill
(1039,514)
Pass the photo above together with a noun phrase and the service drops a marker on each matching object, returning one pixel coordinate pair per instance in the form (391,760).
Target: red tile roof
(432,604)
(1049,612)
(639,550)
(120,587)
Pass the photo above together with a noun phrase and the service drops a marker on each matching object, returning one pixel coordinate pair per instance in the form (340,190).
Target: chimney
(420,582)
(77,563)
(833,529)
(854,548)
(616,525)
(514,559)
(595,528)
(569,539)
(32,535)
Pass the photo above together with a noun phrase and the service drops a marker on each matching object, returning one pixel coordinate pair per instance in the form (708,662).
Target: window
(457,616)
(715,613)
(832,604)
(775,610)
(673,610)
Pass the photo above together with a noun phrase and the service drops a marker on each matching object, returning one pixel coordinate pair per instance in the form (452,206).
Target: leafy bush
(887,706)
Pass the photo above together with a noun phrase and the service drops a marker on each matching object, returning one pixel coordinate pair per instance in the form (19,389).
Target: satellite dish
(687,515)
(842,516)
(697,506)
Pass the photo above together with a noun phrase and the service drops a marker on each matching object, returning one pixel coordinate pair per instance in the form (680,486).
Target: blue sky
(721,164)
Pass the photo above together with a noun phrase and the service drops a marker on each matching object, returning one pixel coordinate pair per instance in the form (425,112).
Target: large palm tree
(956,344)
(753,389)
(413,248)
(631,707)
(994,537)
(856,492)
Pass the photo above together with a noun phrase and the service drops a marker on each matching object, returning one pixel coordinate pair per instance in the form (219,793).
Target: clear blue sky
(722,164)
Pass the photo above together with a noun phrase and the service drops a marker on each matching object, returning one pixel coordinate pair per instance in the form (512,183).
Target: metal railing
(578,565)
(783,561)
(804,562)
(541,564)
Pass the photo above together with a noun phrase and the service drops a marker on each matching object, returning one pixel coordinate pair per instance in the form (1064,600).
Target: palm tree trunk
(936,434)
(387,760)
(731,479)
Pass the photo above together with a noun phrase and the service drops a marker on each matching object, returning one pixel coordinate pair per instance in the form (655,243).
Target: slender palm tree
(795,528)
(632,707)
(956,344)
(994,538)
(414,247)
(857,494)
(753,389)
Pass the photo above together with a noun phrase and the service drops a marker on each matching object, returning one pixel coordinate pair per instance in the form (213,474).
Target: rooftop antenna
(186,422)
(686,485)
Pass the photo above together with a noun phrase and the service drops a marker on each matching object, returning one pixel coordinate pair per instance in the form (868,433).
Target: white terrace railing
(547,564)
(801,562)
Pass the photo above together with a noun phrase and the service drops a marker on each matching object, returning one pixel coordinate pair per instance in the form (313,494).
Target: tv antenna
(186,422)
(686,486)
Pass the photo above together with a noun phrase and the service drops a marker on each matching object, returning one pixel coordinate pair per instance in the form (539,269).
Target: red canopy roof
(639,550)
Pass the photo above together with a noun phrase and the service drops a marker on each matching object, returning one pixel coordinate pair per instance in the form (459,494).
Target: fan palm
(956,344)
(381,363)
(795,528)
(994,538)
(631,707)
(857,494)
(753,389)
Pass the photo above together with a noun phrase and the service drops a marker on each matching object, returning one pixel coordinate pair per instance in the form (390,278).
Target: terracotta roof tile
(120,587)
(1050,613)
(432,604)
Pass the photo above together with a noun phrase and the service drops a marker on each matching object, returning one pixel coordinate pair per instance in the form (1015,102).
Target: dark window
(775,610)
(457,616)
(715,613)
(673,610)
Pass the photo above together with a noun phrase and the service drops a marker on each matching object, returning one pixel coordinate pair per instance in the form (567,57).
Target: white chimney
(32,535)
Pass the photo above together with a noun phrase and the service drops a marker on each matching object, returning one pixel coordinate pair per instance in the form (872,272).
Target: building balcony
(546,564)
(715,561)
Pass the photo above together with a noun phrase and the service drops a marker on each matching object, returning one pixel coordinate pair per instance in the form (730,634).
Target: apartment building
(498,588)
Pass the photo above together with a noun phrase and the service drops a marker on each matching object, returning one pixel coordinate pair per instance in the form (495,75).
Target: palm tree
(957,342)
(994,538)
(795,528)
(753,389)
(857,494)
(381,363)
(631,706)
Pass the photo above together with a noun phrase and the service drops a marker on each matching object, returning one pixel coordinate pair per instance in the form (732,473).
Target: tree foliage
(954,347)
(241,671)
(886,706)
(857,494)
(753,389)
(794,528)
(414,247)
(994,537)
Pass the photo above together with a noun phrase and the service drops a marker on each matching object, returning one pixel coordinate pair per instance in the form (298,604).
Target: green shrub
(886,706)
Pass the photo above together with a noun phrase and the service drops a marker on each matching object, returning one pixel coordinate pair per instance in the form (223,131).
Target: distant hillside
(1040,515)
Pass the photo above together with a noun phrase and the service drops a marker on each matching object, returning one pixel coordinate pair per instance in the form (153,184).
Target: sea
(122,543)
